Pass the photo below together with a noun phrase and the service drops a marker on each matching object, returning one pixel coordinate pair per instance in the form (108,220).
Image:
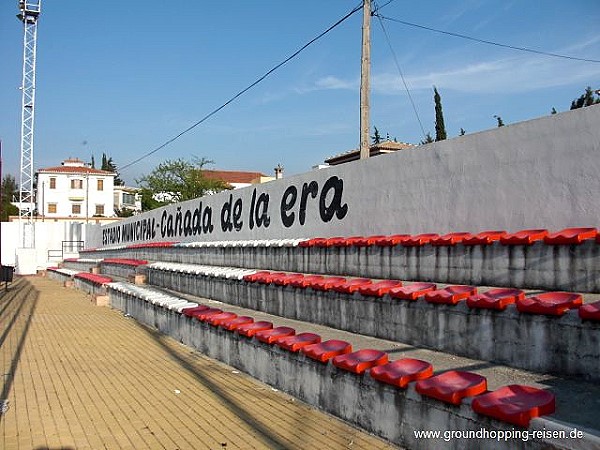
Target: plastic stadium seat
(453,386)
(341,241)
(419,239)
(305,281)
(352,285)
(324,351)
(250,329)
(256,276)
(233,324)
(389,241)
(286,279)
(523,237)
(358,362)
(571,236)
(93,278)
(515,404)
(218,319)
(498,298)
(413,291)
(269,336)
(380,288)
(326,283)
(367,241)
(590,311)
(189,312)
(314,242)
(403,371)
(268,279)
(125,261)
(550,303)
(450,295)
(451,238)
(295,343)
(203,316)
(485,237)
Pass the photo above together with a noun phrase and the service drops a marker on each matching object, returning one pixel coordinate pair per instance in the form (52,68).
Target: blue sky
(124,77)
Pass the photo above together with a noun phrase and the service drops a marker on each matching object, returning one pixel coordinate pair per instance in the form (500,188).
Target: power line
(401,74)
(246,89)
(483,41)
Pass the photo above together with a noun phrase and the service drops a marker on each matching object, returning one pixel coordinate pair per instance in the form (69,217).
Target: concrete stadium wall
(391,413)
(564,345)
(541,173)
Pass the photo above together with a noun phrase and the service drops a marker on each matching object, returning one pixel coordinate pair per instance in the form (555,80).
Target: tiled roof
(231,176)
(75,170)
(374,150)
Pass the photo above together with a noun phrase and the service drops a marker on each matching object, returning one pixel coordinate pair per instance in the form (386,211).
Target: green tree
(93,164)
(553,111)
(110,166)
(179,180)
(588,98)
(428,139)
(376,138)
(500,121)
(440,127)
(8,188)
(462,131)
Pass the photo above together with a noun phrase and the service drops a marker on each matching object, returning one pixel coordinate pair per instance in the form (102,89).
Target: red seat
(312,242)
(337,241)
(256,276)
(451,238)
(324,351)
(203,316)
(326,283)
(571,236)
(590,311)
(450,295)
(523,237)
(358,362)
(380,288)
(250,329)
(305,281)
(268,279)
(295,343)
(453,386)
(286,279)
(515,404)
(367,241)
(403,371)
(419,239)
(93,278)
(218,319)
(233,324)
(269,336)
(485,237)
(352,285)
(412,292)
(498,298)
(189,312)
(389,241)
(550,303)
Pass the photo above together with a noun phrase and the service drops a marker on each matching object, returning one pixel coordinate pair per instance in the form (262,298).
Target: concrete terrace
(77,376)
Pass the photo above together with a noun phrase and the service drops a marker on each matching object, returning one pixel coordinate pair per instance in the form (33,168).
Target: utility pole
(365,75)
(29,13)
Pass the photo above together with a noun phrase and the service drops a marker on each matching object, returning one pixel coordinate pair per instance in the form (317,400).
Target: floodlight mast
(29,13)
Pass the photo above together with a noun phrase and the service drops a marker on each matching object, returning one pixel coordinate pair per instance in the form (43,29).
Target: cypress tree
(440,128)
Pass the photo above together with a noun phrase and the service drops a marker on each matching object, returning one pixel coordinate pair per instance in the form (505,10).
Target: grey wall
(537,174)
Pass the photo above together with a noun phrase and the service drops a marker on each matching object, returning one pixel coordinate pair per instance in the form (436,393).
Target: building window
(100,185)
(99,210)
(53,183)
(76,184)
(51,208)
(75,208)
(129,199)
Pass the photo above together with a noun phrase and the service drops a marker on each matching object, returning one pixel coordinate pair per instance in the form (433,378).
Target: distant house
(74,190)
(127,198)
(237,179)
(375,150)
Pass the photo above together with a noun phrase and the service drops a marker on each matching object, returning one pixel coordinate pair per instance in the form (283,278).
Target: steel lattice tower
(29,13)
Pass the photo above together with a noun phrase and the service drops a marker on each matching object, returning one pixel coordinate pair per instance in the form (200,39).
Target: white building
(75,190)
(127,198)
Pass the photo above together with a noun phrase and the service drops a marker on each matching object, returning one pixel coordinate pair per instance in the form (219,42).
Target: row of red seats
(125,261)
(523,237)
(548,303)
(94,278)
(152,244)
(515,404)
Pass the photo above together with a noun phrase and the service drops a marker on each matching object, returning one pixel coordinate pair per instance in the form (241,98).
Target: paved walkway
(77,376)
